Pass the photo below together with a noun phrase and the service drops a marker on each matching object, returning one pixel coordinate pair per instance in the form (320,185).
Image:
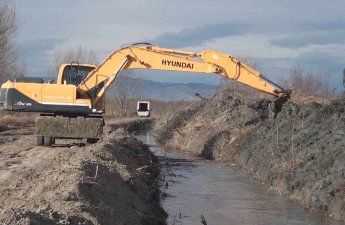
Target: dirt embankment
(110,182)
(299,152)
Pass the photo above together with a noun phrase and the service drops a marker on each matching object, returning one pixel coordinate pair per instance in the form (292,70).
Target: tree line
(10,65)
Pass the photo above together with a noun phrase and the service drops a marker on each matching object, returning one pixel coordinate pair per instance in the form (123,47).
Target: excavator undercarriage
(50,127)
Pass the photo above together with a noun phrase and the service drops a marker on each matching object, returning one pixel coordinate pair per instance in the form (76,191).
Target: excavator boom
(153,57)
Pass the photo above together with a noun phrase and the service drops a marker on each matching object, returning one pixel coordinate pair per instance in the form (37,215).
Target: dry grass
(160,109)
(16,120)
(309,86)
(288,166)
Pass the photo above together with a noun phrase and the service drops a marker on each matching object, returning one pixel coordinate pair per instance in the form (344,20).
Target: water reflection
(224,195)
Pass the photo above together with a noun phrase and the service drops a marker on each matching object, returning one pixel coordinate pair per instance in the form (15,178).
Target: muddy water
(222,194)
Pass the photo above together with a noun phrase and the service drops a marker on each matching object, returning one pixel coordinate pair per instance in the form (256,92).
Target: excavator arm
(147,56)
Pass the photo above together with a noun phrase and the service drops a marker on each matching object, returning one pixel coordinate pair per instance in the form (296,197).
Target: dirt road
(110,182)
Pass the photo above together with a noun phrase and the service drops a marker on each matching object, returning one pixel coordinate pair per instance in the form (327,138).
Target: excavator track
(50,127)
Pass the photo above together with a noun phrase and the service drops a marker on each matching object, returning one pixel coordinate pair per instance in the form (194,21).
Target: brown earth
(298,152)
(110,182)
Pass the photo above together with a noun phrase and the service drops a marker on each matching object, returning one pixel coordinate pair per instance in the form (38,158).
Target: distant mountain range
(176,91)
(164,91)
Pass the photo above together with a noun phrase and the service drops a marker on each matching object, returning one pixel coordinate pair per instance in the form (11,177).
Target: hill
(163,91)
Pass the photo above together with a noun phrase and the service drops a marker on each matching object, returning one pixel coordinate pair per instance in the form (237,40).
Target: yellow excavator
(73,107)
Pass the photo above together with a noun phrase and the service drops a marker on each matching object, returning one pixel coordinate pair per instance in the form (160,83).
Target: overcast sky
(277,35)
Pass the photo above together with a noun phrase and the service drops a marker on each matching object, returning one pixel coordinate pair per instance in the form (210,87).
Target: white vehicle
(143,108)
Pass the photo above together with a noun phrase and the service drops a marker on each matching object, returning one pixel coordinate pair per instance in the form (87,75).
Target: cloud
(37,54)
(232,30)
(324,64)
(313,34)
(329,25)
(199,35)
(39,47)
(299,41)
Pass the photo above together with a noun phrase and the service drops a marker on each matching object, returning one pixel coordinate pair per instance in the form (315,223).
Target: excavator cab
(75,73)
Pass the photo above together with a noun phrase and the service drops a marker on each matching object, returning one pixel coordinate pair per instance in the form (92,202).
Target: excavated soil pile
(298,151)
(110,182)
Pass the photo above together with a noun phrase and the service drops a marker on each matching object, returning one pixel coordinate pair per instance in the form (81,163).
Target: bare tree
(8,27)
(124,90)
(307,84)
(79,54)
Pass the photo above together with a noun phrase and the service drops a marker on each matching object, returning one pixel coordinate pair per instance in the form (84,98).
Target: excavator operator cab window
(75,74)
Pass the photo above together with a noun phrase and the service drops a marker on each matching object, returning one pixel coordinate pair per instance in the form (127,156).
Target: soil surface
(110,182)
(297,150)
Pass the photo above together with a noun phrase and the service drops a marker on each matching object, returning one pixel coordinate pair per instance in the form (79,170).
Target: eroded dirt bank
(110,182)
(299,153)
